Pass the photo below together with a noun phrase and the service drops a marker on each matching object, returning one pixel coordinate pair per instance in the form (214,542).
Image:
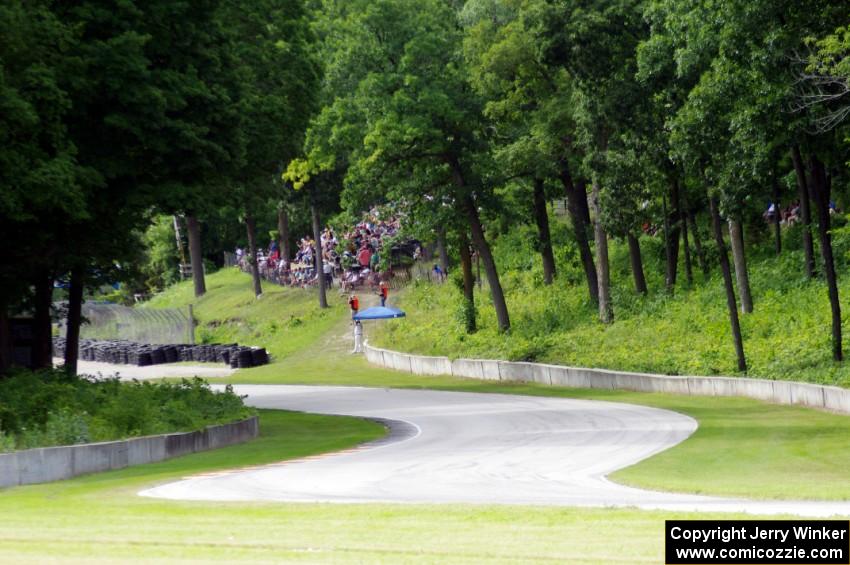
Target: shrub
(7,442)
(45,408)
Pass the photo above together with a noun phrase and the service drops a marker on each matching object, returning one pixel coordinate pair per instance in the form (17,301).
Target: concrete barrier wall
(48,464)
(468,368)
(145,450)
(518,372)
(421,365)
(831,398)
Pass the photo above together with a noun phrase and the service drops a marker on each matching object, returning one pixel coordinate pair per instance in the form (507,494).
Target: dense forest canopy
(237,119)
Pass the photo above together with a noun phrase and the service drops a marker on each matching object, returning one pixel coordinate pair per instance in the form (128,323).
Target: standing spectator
(384,291)
(358,337)
(438,273)
(770,213)
(364,256)
(354,304)
(328,269)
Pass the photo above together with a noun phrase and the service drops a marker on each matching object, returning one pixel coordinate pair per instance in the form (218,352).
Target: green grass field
(742,447)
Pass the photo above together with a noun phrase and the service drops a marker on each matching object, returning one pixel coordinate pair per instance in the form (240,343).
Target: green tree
(429,123)
(530,104)
(131,108)
(41,180)
(154,118)
(595,41)
(403,122)
(162,261)
(728,73)
(278,75)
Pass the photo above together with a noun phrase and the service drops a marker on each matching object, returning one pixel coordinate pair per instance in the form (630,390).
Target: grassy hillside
(283,320)
(308,344)
(787,337)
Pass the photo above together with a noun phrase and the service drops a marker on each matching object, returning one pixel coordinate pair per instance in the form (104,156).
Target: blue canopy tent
(373,313)
(379,313)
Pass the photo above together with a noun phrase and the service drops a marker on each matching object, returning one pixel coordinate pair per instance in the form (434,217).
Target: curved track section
(453,447)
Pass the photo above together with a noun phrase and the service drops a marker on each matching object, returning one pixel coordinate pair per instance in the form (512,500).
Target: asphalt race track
(454,447)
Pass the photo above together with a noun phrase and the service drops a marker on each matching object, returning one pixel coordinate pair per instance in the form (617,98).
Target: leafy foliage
(47,408)
(162,265)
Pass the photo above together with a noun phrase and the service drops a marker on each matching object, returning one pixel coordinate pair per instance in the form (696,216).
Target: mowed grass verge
(99,517)
(742,447)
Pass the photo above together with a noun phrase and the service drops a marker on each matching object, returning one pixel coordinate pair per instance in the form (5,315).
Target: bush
(7,442)
(46,408)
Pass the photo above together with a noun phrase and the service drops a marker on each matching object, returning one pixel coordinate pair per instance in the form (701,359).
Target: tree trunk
(731,303)
(178,239)
(541,218)
(739,257)
(576,194)
(603,273)
(686,247)
(317,237)
(668,286)
(821,193)
(486,256)
(73,321)
(483,248)
(5,340)
(42,353)
(195,254)
(777,215)
(637,263)
(671,236)
(805,213)
(703,263)
(582,202)
(251,229)
(468,283)
(283,234)
(443,252)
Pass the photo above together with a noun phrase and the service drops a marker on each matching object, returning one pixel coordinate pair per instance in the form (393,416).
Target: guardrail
(46,464)
(830,398)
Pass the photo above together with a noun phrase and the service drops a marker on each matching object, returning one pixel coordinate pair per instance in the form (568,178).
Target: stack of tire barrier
(143,354)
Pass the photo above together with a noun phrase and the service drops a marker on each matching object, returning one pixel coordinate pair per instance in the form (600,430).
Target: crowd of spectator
(361,257)
(787,216)
(790,215)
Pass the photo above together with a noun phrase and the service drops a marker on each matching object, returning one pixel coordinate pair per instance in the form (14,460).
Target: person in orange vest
(384,291)
(354,304)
